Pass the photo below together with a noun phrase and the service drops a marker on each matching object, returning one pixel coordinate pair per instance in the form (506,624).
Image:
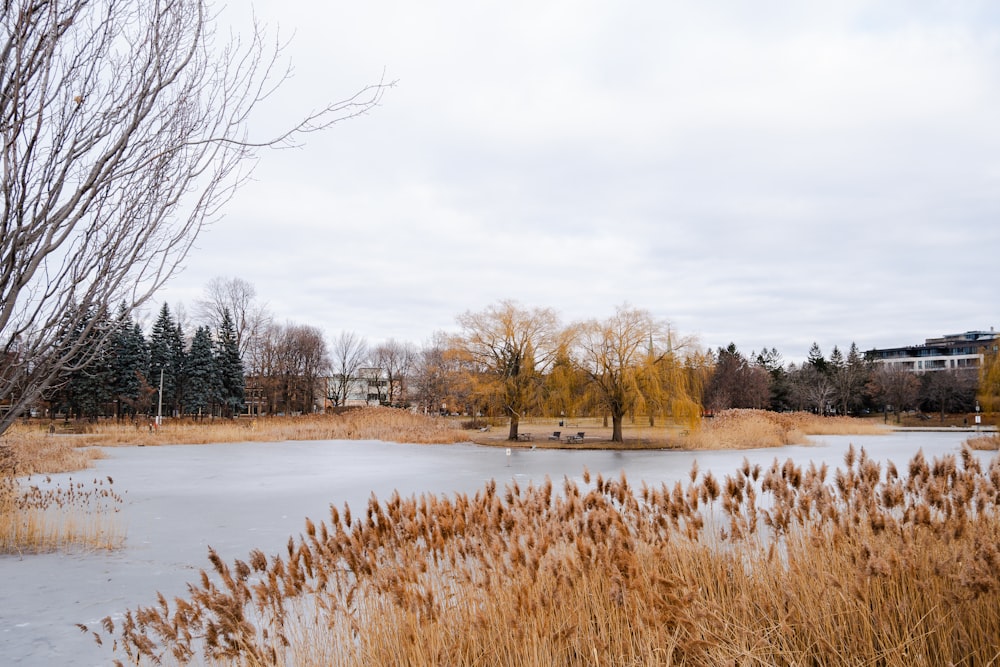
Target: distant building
(368,386)
(953,352)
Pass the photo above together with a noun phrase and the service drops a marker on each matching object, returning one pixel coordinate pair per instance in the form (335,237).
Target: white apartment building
(953,352)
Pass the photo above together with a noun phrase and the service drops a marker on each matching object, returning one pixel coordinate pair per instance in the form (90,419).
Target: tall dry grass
(371,423)
(745,429)
(783,565)
(984,442)
(38,452)
(37,515)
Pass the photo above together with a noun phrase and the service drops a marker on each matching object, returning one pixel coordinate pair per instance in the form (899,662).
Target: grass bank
(374,423)
(731,429)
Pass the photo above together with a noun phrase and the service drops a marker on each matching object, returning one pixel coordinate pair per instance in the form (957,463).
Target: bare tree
(125,128)
(813,388)
(894,387)
(309,362)
(349,354)
(948,390)
(289,363)
(439,377)
(395,361)
(239,297)
(736,383)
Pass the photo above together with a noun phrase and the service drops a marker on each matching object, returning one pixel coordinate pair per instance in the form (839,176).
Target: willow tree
(988,395)
(679,370)
(511,347)
(631,363)
(564,387)
(125,126)
(665,382)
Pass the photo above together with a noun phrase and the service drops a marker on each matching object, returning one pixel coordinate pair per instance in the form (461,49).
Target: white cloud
(763,174)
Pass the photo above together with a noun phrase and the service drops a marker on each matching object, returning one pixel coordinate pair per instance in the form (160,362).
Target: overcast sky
(765,173)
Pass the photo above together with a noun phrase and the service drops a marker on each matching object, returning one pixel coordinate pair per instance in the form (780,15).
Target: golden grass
(779,566)
(38,517)
(38,452)
(989,442)
(745,429)
(731,429)
(372,423)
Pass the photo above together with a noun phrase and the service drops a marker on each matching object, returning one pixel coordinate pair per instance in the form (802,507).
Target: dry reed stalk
(41,517)
(984,442)
(37,517)
(38,452)
(373,423)
(784,565)
(745,429)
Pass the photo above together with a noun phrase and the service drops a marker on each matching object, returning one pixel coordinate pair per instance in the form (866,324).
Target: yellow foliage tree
(989,380)
(511,347)
(564,386)
(631,361)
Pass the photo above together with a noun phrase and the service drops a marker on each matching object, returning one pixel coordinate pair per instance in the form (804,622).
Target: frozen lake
(238,497)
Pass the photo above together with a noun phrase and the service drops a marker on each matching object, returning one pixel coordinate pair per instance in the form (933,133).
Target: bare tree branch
(124,129)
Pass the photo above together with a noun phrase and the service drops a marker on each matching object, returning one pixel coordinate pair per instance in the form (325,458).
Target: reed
(986,442)
(745,429)
(372,423)
(37,515)
(38,452)
(778,565)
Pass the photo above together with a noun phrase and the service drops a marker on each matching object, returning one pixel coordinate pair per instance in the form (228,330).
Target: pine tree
(816,359)
(203,385)
(230,367)
(130,385)
(836,362)
(166,356)
(88,387)
(180,361)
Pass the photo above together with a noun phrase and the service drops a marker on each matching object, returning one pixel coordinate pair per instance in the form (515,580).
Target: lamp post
(159,406)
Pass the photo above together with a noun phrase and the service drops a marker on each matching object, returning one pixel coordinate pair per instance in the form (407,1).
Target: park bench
(526,437)
(556,435)
(575,438)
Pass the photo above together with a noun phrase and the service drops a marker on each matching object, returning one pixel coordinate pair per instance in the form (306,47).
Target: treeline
(504,362)
(167,373)
(518,362)
(848,384)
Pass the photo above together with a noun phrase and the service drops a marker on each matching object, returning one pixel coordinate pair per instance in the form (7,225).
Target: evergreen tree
(229,367)
(166,357)
(836,360)
(130,386)
(202,382)
(88,386)
(781,385)
(859,371)
(180,360)
(816,360)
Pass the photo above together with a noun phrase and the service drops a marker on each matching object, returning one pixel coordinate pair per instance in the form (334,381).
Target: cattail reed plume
(854,570)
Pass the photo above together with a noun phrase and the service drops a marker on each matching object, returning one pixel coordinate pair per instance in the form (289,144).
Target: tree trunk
(512,434)
(616,428)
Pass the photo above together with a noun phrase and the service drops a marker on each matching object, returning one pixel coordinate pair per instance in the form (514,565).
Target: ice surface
(179,500)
